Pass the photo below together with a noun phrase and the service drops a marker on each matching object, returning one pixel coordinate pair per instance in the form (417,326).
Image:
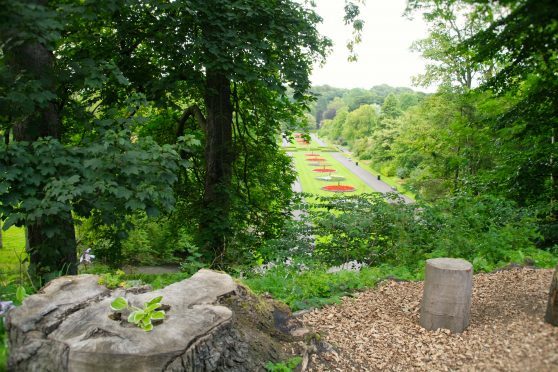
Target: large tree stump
(212,324)
(552,306)
(446,301)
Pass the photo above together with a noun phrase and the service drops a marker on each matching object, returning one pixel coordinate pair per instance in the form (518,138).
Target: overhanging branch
(194,111)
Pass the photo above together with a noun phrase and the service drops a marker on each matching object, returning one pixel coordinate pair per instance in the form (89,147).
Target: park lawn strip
(307,176)
(312,185)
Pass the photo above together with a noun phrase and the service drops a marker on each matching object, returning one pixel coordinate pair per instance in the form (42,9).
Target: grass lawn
(312,185)
(307,177)
(13,245)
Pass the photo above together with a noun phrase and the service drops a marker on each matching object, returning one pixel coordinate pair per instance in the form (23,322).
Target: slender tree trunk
(49,254)
(552,306)
(214,221)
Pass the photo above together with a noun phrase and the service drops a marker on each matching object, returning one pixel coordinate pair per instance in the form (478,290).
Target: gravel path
(378,329)
(361,173)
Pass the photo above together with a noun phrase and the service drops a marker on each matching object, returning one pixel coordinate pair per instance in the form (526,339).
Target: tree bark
(49,255)
(552,306)
(214,224)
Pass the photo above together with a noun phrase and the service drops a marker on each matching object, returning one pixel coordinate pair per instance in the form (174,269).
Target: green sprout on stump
(141,317)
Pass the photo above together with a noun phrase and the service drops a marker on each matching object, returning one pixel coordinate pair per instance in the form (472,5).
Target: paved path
(296,187)
(361,173)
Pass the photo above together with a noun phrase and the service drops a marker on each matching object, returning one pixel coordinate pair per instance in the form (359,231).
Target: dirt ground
(379,329)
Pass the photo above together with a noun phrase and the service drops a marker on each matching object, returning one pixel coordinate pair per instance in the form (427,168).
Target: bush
(402,172)
(140,241)
(486,230)
(388,169)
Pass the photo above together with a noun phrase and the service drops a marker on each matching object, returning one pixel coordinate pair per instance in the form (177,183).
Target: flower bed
(338,188)
(316,159)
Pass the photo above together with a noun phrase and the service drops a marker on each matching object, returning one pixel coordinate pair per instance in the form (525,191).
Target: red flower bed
(338,188)
(323,170)
(315,159)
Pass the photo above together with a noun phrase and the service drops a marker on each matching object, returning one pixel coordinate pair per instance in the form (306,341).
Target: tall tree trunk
(49,254)
(214,221)
(552,306)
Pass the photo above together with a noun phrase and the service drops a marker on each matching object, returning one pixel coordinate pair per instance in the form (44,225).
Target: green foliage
(193,261)
(141,317)
(486,230)
(113,280)
(287,366)
(313,286)
(109,177)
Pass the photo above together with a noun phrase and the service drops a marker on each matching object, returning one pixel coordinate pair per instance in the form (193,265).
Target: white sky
(384,55)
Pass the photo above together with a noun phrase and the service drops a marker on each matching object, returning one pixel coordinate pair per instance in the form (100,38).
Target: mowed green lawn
(13,245)
(308,178)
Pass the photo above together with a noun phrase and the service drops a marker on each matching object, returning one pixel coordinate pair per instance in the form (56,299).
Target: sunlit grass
(13,249)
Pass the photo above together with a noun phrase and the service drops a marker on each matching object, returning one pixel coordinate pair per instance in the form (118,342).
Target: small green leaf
(131,317)
(138,316)
(146,320)
(118,304)
(20,294)
(148,327)
(155,300)
(152,307)
(158,315)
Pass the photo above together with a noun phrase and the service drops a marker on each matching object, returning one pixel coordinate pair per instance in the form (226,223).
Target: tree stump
(211,323)
(446,300)
(552,306)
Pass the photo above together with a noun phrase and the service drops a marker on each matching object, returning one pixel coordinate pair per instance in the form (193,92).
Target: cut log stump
(211,324)
(552,305)
(446,300)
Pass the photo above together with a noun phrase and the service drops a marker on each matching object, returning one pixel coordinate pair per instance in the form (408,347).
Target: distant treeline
(331,99)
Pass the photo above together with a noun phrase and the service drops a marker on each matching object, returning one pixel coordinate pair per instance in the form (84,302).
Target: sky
(384,55)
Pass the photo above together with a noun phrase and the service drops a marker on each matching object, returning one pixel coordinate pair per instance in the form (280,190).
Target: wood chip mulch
(379,329)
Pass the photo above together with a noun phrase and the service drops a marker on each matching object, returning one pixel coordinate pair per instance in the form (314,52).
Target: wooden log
(552,306)
(446,301)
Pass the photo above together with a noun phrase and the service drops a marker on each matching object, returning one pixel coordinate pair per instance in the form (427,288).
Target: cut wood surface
(446,300)
(379,329)
(211,324)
